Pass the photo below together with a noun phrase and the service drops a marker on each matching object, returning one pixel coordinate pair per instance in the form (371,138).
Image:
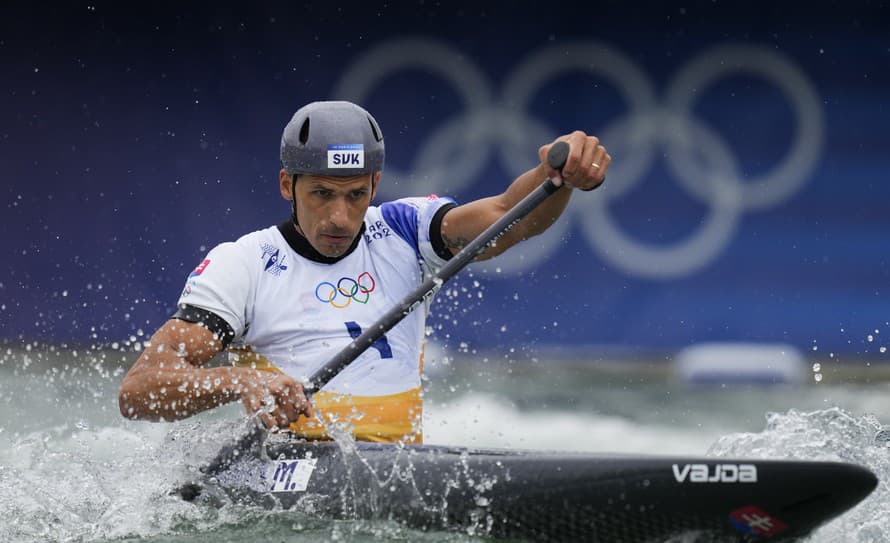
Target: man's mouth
(335,239)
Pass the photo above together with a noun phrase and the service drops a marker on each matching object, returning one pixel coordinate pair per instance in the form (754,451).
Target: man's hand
(586,165)
(278,399)
(585,169)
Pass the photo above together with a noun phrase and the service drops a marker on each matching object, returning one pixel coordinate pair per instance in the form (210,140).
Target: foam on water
(834,435)
(484,420)
(73,470)
(114,483)
(92,485)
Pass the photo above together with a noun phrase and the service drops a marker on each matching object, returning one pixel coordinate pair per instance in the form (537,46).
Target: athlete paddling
(284,300)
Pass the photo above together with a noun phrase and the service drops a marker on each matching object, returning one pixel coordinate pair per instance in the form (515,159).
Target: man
(285,299)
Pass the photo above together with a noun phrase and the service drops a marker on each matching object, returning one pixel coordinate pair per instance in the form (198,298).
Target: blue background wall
(747,200)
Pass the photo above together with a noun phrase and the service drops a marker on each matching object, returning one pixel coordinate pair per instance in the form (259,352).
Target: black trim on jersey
(301,245)
(208,320)
(436,232)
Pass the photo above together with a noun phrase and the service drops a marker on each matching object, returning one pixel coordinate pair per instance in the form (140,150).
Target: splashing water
(115,484)
(831,435)
(73,470)
(84,486)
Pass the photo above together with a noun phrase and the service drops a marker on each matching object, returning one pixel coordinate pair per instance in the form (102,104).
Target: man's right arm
(169,381)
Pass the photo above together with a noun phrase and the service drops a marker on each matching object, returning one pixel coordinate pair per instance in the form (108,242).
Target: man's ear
(285,185)
(375,182)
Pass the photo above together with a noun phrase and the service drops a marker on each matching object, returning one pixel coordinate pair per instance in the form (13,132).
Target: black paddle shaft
(556,157)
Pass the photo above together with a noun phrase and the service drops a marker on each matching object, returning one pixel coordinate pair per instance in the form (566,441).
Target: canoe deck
(544,496)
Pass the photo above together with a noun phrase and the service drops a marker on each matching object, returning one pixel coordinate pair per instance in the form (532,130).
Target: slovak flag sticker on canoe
(753,520)
(200,269)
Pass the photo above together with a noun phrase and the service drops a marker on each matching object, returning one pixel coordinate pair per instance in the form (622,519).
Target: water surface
(72,469)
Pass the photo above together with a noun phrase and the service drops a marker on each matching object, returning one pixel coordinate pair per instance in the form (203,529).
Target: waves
(830,434)
(72,471)
(486,420)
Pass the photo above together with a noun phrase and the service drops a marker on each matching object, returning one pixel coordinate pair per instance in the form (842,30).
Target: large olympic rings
(700,161)
(358,290)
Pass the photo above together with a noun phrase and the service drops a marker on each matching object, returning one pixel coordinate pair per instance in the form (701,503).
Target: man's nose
(338,212)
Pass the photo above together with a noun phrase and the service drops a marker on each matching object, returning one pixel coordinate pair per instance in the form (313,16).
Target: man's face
(330,210)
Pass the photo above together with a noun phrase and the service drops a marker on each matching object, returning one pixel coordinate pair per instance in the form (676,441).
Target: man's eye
(359,193)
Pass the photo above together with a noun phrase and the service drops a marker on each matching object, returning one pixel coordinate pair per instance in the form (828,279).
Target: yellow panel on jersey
(383,419)
(246,357)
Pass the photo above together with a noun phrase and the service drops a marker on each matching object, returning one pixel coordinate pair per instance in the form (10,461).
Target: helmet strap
(293,194)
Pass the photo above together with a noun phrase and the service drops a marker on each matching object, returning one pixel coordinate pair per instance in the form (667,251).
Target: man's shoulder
(247,245)
(415,202)
(270,232)
(410,208)
(258,239)
(411,219)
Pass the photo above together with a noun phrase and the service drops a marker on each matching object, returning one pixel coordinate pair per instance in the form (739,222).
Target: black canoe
(544,496)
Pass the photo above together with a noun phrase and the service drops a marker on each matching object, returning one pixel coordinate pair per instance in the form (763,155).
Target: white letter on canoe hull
(680,476)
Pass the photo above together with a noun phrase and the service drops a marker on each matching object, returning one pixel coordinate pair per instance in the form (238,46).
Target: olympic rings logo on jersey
(700,161)
(351,290)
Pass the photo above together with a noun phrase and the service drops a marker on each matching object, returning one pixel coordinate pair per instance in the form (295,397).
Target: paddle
(556,157)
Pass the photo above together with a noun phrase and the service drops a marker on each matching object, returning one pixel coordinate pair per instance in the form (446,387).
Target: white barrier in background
(737,363)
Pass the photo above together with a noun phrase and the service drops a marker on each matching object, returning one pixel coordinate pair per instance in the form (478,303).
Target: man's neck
(293,234)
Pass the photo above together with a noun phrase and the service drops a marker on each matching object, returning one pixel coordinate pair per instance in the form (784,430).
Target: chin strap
(293,201)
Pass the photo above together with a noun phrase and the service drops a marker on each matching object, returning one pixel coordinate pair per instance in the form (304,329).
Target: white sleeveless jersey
(297,313)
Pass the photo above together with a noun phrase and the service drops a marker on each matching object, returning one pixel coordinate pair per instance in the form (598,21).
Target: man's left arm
(585,169)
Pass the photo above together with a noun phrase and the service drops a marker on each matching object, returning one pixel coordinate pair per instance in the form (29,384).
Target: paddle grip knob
(557,155)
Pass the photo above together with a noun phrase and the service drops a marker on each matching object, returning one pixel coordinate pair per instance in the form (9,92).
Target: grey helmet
(332,138)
